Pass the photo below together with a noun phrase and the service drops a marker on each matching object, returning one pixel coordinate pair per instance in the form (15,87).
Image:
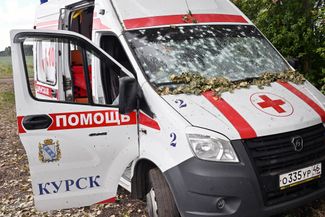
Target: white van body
(88,148)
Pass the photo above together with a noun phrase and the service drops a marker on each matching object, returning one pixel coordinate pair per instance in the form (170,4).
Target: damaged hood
(253,112)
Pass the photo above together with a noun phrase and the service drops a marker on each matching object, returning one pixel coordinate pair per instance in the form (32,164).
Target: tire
(160,201)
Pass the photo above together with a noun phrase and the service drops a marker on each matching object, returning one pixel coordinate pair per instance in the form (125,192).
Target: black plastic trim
(37,122)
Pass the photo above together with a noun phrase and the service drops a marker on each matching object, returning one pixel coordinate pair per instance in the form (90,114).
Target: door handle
(98,134)
(36,122)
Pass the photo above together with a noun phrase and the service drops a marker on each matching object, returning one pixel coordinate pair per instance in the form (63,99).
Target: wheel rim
(152,203)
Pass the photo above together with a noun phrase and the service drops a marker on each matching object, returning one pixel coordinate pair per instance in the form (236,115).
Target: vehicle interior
(81,22)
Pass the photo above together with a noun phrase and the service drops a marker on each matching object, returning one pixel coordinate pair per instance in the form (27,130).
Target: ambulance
(91,117)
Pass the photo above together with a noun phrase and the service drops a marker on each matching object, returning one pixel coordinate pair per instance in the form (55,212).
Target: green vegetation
(7,99)
(297,30)
(6,67)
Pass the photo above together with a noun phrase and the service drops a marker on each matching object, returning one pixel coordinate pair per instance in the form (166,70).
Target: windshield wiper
(166,83)
(246,79)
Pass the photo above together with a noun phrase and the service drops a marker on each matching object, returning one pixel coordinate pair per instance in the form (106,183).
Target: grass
(7,102)
(7,98)
(6,66)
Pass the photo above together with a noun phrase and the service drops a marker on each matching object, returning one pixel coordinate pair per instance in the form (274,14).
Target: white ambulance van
(93,115)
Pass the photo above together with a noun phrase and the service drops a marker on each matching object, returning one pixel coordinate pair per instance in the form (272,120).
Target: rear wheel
(160,201)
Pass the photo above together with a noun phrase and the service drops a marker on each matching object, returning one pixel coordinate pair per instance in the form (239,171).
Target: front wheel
(160,201)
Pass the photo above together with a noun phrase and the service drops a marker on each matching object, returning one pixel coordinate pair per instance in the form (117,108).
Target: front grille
(275,155)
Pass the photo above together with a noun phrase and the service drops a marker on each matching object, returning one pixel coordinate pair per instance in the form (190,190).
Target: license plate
(300,176)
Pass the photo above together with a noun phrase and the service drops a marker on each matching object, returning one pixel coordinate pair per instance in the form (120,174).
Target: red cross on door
(275,104)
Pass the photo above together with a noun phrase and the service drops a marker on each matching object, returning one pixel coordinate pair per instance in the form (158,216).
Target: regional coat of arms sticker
(49,151)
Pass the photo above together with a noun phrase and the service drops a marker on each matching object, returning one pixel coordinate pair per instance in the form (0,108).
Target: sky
(15,14)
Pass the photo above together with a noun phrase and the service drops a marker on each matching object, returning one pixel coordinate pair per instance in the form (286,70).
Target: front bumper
(199,185)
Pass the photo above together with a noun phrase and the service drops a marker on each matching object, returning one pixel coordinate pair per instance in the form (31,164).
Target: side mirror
(128,95)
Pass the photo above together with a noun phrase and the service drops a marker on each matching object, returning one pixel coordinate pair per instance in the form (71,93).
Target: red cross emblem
(275,104)
(272,104)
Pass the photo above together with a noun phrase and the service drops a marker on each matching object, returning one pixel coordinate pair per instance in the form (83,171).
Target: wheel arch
(139,181)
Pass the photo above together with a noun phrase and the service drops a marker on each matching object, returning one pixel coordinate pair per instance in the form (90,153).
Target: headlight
(207,147)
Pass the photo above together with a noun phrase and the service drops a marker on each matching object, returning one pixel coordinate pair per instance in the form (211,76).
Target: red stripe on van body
(242,126)
(110,200)
(93,119)
(179,19)
(20,124)
(148,121)
(98,25)
(304,98)
(90,119)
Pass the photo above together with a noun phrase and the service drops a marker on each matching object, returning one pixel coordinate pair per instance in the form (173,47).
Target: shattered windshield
(235,52)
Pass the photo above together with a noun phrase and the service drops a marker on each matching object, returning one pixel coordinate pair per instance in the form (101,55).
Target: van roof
(138,14)
(148,13)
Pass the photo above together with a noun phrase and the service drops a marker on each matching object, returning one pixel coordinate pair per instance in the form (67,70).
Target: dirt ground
(15,186)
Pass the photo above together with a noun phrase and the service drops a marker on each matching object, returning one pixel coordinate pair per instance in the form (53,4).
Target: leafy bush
(297,30)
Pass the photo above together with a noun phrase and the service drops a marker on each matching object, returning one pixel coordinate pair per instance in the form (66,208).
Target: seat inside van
(78,77)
